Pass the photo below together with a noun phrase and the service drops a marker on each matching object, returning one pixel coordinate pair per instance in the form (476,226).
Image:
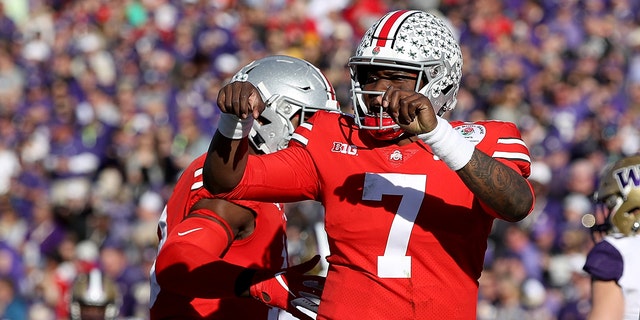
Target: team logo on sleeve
(472,132)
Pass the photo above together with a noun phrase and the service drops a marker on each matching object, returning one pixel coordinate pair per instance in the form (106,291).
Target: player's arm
(240,102)
(501,188)
(607,301)
(605,264)
(228,158)
(190,263)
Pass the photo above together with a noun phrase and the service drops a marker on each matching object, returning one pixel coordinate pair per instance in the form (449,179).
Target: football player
(409,197)
(94,297)
(213,252)
(613,262)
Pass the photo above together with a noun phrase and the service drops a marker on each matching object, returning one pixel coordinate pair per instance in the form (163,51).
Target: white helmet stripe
(331,93)
(265,92)
(389,26)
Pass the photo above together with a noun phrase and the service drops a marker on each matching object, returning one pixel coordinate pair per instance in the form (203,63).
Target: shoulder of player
(605,248)
(256,206)
(330,115)
(487,129)
(490,124)
(322,124)
(622,242)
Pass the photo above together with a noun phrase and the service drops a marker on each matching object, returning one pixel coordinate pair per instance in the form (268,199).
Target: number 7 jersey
(407,237)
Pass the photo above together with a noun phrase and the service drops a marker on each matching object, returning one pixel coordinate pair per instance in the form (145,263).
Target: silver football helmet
(288,86)
(412,40)
(618,196)
(93,297)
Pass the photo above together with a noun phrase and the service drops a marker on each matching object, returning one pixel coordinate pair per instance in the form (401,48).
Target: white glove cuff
(449,145)
(233,127)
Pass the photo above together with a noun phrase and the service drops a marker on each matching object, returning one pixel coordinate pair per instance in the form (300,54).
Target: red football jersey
(264,248)
(407,237)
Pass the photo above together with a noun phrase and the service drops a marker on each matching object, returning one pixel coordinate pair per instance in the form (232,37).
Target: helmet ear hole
(434,72)
(447,89)
(262,120)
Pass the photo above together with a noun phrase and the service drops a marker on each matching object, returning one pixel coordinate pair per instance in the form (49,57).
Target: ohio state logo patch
(376,50)
(396,155)
(472,132)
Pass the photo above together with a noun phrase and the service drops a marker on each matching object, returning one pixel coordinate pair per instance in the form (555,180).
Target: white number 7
(395,263)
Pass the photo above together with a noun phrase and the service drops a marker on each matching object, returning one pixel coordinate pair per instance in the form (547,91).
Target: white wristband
(449,145)
(233,127)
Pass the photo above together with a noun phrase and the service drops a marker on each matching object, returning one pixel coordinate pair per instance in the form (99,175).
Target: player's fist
(411,110)
(240,98)
(290,289)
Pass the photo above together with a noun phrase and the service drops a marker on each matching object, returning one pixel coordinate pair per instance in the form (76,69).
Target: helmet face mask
(618,198)
(374,118)
(414,41)
(292,89)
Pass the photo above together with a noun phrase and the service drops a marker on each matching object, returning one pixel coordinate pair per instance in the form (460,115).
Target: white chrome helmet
(618,195)
(411,40)
(288,86)
(94,296)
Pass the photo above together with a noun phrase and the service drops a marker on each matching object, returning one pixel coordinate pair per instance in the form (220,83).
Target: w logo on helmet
(628,177)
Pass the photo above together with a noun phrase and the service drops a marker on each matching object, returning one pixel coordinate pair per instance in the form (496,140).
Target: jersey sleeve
(604,262)
(192,252)
(287,175)
(511,150)
(503,142)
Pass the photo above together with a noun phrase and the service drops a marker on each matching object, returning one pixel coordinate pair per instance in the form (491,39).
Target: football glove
(290,289)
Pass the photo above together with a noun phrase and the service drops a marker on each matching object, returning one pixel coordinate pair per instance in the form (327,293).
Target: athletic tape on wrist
(233,127)
(449,145)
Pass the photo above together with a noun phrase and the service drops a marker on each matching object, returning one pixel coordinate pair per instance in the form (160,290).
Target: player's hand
(409,109)
(290,289)
(240,98)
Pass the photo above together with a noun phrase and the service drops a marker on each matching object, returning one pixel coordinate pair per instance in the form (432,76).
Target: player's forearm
(191,270)
(607,301)
(498,186)
(225,163)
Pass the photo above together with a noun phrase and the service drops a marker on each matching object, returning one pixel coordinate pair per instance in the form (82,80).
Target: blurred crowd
(104,102)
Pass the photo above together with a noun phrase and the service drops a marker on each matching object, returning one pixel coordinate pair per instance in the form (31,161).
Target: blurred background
(104,102)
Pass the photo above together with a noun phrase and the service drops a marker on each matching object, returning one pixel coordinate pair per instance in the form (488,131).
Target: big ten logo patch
(344,148)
